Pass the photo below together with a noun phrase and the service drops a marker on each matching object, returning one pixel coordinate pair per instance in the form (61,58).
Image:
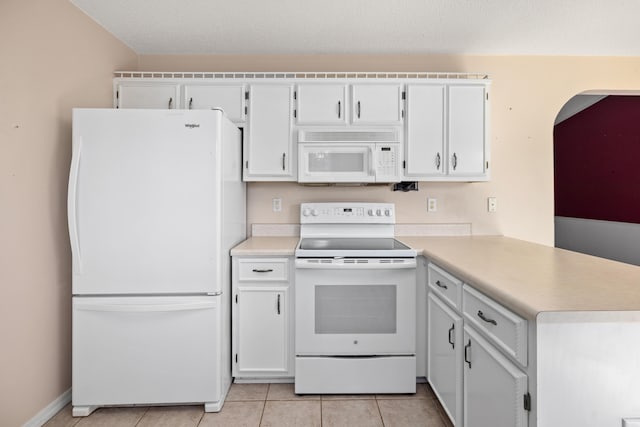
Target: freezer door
(146,350)
(143,201)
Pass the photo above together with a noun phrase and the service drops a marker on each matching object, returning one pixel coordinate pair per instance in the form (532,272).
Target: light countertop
(526,277)
(267,245)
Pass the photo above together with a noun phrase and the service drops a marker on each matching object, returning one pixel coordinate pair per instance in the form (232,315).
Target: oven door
(355,307)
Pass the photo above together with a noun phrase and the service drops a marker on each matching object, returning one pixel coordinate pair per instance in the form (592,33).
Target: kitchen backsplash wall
(457,203)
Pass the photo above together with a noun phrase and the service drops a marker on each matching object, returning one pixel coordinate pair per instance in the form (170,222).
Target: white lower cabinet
(261,318)
(495,390)
(444,367)
(479,380)
(262,330)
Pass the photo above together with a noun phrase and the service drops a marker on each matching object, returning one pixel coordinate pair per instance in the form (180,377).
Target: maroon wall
(597,162)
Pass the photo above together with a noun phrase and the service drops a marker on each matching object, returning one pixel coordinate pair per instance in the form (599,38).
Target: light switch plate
(432,205)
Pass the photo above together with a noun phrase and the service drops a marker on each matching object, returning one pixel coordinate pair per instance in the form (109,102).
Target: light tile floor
(276,405)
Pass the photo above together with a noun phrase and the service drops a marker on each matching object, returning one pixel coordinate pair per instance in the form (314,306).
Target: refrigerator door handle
(144,308)
(72,201)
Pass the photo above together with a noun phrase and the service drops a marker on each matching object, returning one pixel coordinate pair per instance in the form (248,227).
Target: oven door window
(355,309)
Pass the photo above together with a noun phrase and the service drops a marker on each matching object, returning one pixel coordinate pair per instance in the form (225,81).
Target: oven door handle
(315,265)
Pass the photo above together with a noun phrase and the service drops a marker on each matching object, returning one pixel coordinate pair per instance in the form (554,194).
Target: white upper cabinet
(425,146)
(147,95)
(441,122)
(321,104)
(228,98)
(446,132)
(376,104)
(268,148)
(467,126)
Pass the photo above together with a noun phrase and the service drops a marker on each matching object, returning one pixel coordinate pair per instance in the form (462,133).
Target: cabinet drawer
(256,269)
(445,285)
(507,330)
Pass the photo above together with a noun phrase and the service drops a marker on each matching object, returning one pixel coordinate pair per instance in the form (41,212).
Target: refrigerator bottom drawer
(145,350)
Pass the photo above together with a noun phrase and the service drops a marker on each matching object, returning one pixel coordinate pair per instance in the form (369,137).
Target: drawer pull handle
(440,285)
(453,328)
(466,358)
(278,303)
(262,270)
(486,319)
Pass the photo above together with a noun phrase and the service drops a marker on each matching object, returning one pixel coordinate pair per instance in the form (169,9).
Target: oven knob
(306,212)
(379,212)
(387,212)
(315,212)
(371,212)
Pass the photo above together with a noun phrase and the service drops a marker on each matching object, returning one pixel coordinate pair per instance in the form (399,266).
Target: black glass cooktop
(352,243)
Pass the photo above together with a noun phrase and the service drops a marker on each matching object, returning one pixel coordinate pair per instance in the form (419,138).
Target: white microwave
(348,156)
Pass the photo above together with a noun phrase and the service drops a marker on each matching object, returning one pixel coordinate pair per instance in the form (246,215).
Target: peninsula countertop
(528,278)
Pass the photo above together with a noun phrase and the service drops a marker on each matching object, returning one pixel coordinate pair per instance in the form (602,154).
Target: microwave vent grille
(348,136)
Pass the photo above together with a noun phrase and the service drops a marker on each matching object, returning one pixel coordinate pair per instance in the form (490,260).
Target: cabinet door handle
(339,109)
(453,328)
(466,358)
(190,103)
(440,285)
(358,109)
(486,319)
(278,304)
(438,161)
(284,157)
(454,161)
(263,270)
(170,103)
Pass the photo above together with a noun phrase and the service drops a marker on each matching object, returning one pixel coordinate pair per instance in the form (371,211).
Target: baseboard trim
(50,410)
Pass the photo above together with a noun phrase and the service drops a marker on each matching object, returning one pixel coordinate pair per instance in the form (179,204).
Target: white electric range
(355,302)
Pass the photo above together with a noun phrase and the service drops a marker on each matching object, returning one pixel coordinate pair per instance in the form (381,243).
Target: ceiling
(493,27)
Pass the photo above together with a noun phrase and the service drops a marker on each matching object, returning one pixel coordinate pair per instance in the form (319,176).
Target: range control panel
(351,213)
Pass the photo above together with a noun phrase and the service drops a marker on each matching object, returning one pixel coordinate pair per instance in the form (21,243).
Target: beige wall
(526,95)
(53,58)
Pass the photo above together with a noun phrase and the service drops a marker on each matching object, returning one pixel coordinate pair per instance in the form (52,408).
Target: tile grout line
(375,397)
(264,404)
(143,415)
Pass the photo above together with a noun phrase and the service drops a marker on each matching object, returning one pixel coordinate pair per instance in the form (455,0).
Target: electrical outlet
(276,204)
(492,204)
(432,205)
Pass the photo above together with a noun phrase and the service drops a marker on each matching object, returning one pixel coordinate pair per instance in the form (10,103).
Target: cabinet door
(425,141)
(321,104)
(269,152)
(376,104)
(263,335)
(229,98)
(147,95)
(445,356)
(467,130)
(494,388)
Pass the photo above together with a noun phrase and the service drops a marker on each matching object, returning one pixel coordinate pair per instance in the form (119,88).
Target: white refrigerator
(155,202)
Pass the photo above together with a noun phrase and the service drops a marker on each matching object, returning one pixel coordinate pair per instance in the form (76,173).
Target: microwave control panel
(386,161)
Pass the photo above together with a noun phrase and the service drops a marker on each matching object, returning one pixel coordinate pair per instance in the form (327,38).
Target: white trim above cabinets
(441,119)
